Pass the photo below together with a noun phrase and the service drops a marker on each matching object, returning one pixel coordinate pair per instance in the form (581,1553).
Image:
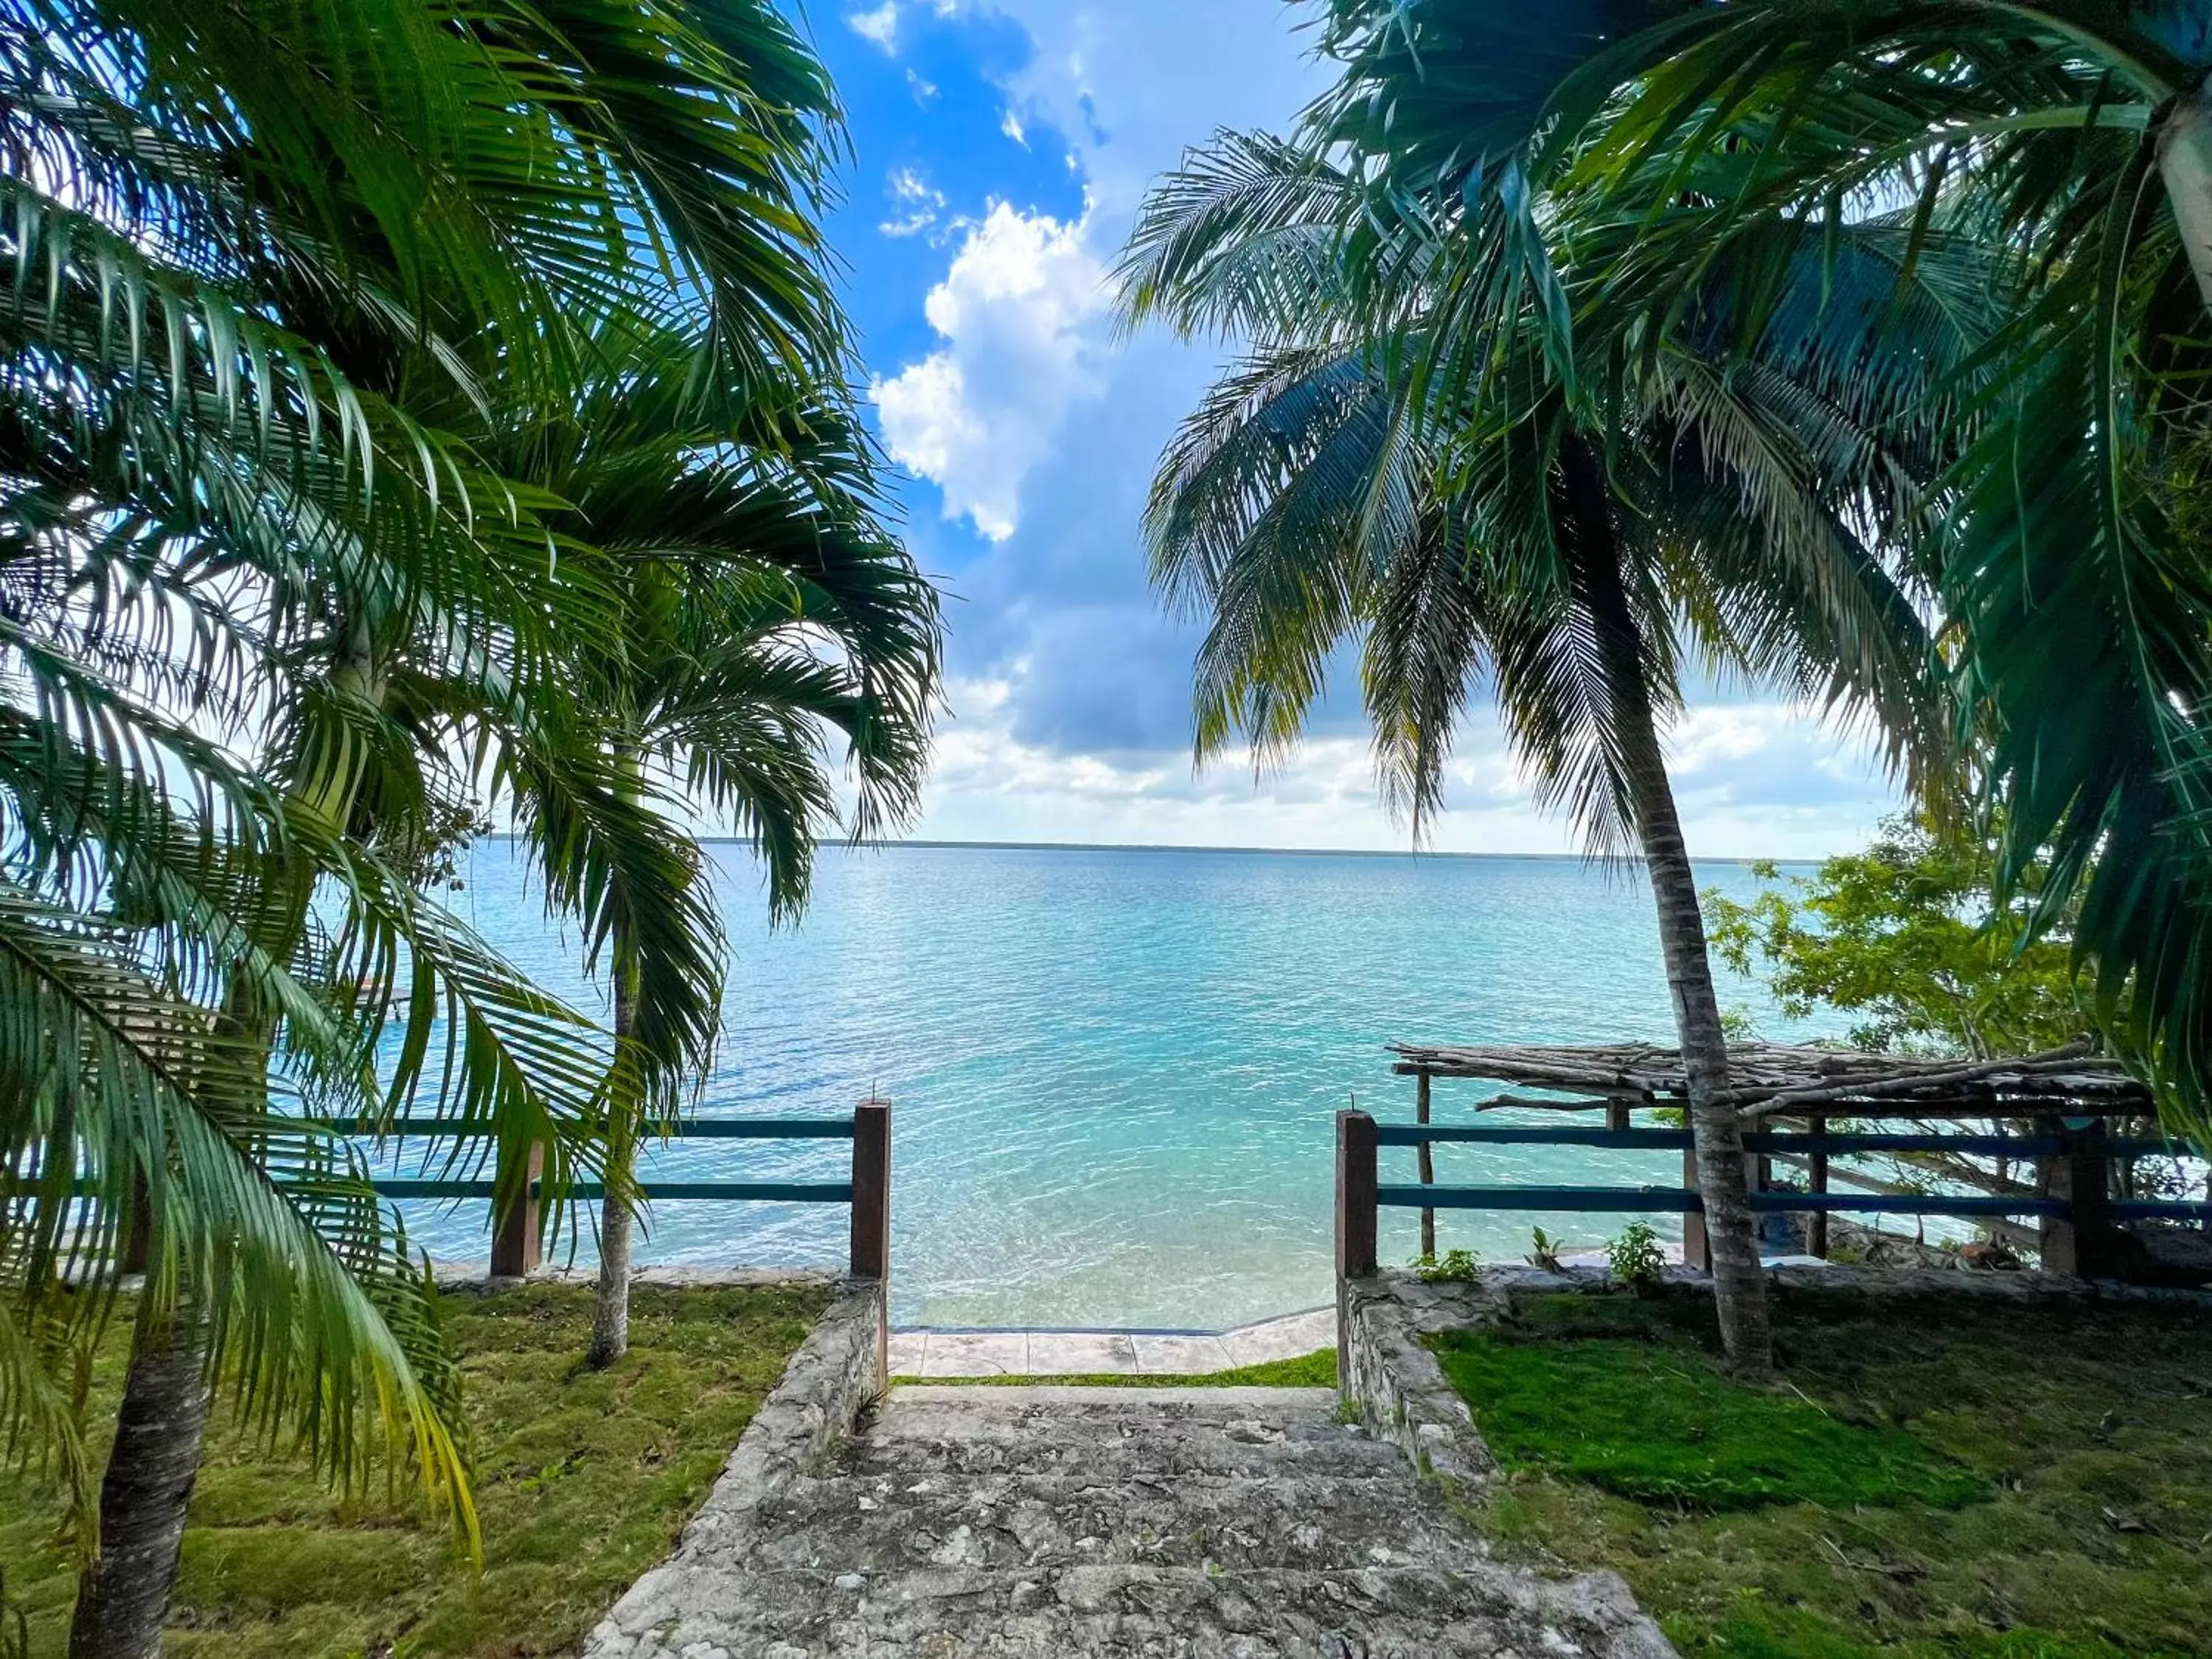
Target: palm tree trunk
(1739,1282)
(611,1308)
(123,1593)
(2184,166)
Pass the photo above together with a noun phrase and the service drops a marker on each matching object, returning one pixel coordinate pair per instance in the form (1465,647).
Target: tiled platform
(932,1353)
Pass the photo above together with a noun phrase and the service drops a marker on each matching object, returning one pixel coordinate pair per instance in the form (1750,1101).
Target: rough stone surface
(1391,1374)
(804,1423)
(918,1352)
(1043,1522)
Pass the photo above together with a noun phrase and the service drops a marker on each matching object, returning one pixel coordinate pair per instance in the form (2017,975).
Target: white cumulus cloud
(1020,313)
(915,203)
(877,23)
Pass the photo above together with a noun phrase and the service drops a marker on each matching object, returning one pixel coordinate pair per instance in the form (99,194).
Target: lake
(1116,1071)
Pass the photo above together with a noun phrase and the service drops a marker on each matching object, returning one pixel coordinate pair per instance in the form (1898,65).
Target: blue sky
(1000,149)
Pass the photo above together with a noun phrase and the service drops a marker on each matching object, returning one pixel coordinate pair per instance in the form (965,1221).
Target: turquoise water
(1116,1071)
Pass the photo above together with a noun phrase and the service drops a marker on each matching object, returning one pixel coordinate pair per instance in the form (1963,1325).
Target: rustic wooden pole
(1696,1254)
(870,1256)
(1816,1230)
(2083,1242)
(1616,1115)
(872,1189)
(1355,1224)
(1428,1164)
(514,1241)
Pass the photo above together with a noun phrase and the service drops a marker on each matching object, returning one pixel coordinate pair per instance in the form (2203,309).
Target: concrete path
(928,1353)
(1059,1522)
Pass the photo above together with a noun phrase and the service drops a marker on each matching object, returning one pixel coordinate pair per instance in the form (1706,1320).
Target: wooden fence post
(871,1190)
(1816,1165)
(870,1253)
(2082,1242)
(1355,1224)
(1428,1164)
(1697,1256)
(514,1241)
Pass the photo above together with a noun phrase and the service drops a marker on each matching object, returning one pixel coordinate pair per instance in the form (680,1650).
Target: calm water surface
(1115,1072)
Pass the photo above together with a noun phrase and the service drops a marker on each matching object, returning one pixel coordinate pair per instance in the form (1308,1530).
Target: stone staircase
(1040,1522)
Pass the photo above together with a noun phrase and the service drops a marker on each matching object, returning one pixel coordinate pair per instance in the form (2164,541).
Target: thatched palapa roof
(1770,1078)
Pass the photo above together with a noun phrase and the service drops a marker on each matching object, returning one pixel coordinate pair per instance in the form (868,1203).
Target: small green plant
(1545,1251)
(1455,1266)
(1636,1260)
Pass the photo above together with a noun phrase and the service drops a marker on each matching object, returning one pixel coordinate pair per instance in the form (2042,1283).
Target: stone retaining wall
(1404,1396)
(836,1375)
(1402,1392)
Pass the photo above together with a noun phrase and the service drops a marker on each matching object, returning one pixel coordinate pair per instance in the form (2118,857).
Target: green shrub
(1454,1267)
(1636,1257)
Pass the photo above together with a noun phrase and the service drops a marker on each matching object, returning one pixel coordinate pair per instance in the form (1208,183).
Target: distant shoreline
(1262,852)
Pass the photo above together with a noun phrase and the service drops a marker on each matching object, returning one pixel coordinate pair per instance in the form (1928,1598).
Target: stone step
(946,1444)
(1129,1611)
(1348,1456)
(1022,1521)
(986,1400)
(1065,1523)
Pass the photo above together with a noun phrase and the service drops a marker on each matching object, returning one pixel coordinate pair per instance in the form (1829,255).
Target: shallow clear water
(1114,1072)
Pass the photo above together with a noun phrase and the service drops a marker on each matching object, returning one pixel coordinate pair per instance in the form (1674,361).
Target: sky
(1000,149)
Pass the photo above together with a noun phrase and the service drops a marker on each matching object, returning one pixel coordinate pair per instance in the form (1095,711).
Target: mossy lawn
(1935,1479)
(583,1479)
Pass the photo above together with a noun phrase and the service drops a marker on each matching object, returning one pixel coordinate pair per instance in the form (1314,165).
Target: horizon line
(880,843)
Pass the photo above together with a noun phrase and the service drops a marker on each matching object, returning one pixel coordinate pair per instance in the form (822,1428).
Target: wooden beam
(1696,1252)
(1816,1238)
(1355,1196)
(1425,1155)
(1355,1226)
(2012,1232)
(2083,1243)
(515,1244)
(870,1254)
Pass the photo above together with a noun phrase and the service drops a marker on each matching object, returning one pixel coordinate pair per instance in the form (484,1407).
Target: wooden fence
(517,1234)
(2081,1221)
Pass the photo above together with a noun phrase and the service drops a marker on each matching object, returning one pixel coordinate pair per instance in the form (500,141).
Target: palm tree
(765,608)
(2071,140)
(258,255)
(1558,533)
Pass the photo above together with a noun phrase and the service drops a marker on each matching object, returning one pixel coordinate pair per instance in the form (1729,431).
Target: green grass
(1316,1370)
(583,1480)
(1650,1421)
(1955,1481)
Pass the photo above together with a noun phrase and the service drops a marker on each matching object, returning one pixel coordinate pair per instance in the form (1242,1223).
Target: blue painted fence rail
(2079,1217)
(1628,1200)
(518,1235)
